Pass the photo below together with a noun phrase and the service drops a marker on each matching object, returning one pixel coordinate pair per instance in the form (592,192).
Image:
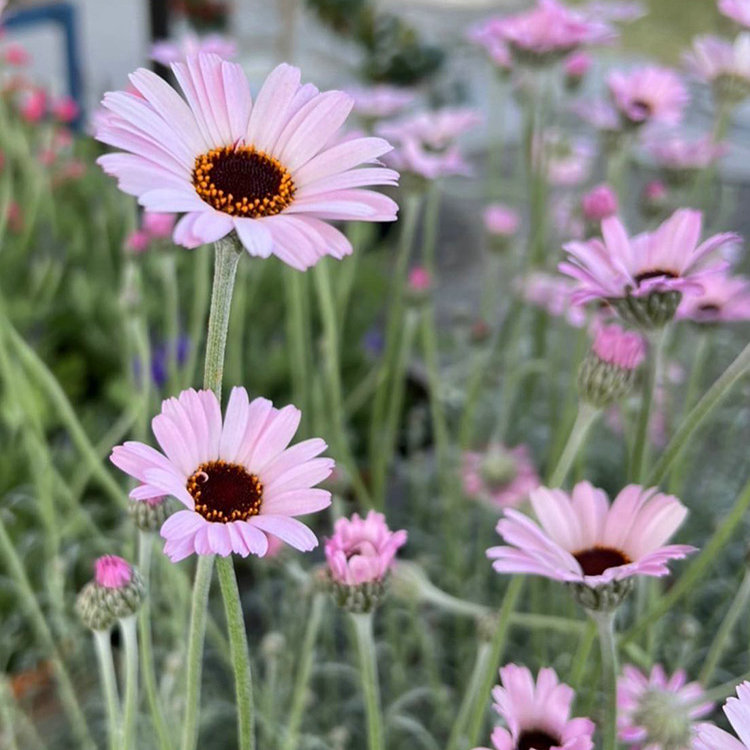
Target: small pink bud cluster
(599,203)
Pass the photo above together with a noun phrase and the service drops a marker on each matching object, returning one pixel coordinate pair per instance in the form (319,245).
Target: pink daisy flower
(657,712)
(502,477)
(537,714)
(237,478)
(382,100)
(585,540)
(737,710)
(621,269)
(724,299)
(274,170)
(737,10)
(677,154)
(723,64)
(167,52)
(649,94)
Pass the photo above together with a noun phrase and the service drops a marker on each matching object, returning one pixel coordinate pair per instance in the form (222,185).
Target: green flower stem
(168,272)
(130,639)
(109,687)
(711,398)
(302,679)
(639,459)
(201,275)
(28,601)
(499,640)
(145,547)
(239,652)
(586,417)
(581,656)
(605,623)
(431,225)
(472,696)
(299,337)
(720,642)
(697,568)
(368,667)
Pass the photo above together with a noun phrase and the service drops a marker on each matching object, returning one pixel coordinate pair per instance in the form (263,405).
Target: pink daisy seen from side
(649,94)
(724,299)
(499,476)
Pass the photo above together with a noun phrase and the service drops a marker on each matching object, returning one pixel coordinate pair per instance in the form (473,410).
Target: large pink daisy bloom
(273,170)
(657,712)
(537,715)
(709,737)
(237,479)
(584,540)
(649,94)
(666,260)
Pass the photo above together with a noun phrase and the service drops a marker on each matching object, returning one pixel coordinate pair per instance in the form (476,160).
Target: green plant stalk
(431,225)
(472,696)
(128,629)
(28,601)
(581,657)
(711,398)
(109,687)
(585,418)
(697,568)
(605,624)
(298,335)
(145,547)
(720,642)
(168,269)
(498,642)
(720,692)
(362,624)
(201,275)
(302,678)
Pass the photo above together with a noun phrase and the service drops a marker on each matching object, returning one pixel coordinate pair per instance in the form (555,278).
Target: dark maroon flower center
(537,740)
(241,181)
(655,274)
(642,108)
(709,308)
(596,560)
(225,492)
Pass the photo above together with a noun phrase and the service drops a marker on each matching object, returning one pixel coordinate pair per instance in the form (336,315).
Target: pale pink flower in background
(138,242)
(657,712)
(34,105)
(675,153)
(655,191)
(501,220)
(537,714)
(737,10)
(667,259)
(577,65)
(737,710)
(724,299)
(583,539)
(649,94)
(362,550)
(616,346)
(275,171)
(14,215)
(552,28)
(566,216)
(488,35)
(64,109)
(16,55)
(112,572)
(567,160)
(381,100)
(167,52)
(712,58)
(237,478)
(419,279)
(599,203)
(158,225)
(555,295)
(598,113)
(499,476)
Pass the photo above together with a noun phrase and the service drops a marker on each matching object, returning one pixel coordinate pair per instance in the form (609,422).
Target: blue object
(64,15)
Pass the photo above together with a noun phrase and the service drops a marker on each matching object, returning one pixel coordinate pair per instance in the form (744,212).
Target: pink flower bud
(616,346)
(16,55)
(65,109)
(419,279)
(501,220)
(112,572)
(137,242)
(599,203)
(34,106)
(158,225)
(577,65)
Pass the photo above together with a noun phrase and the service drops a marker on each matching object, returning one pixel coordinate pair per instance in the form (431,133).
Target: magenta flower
(382,100)
(238,479)
(656,712)
(419,280)
(112,572)
(537,715)
(167,52)
(599,203)
(501,477)
(583,539)
(274,171)
(724,299)
(577,65)
(362,550)
(649,94)
(666,261)
(158,225)
(616,346)
(737,710)
(501,220)
(677,154)
(737,10)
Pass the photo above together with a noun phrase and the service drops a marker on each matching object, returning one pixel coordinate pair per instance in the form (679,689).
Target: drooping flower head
(501,220)
(723,64)
(628,271)
(657,712)
(737,10)
(724,299)
(680,156)
(649,94)
(360,554)
(426,144)
(499,476)
(274,170)
(737,710)
(599,203)
(167,52)
(537,714)
(379,101)
(237,478)
(585,541)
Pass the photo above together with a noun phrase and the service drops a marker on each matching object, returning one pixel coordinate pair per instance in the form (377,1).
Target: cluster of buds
(116,592)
